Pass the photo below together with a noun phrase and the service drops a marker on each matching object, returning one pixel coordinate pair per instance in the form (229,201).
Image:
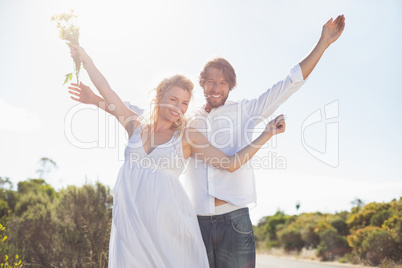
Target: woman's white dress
(154,224)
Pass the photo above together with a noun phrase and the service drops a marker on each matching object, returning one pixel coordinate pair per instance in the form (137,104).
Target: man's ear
(202,82)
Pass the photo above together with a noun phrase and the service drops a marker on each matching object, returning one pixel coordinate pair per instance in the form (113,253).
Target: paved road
(268,261)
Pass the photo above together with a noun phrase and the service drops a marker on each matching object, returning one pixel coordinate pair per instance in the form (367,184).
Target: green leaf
(68,78)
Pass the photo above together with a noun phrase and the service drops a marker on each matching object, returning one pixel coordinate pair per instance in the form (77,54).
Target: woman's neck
(161,125)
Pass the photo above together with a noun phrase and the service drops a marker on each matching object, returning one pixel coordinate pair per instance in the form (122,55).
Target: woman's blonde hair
(178,80)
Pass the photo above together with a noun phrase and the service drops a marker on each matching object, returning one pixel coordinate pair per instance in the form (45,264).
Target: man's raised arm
(330,33)
(270,100)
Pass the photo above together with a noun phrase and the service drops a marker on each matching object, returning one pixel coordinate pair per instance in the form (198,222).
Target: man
(221,199)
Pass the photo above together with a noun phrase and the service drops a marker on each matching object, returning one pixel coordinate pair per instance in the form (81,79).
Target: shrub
(361,218)
(380,217)
(272,225)
(373,244)
(5,249)
(332,245)
(379,245)
(311,238)
(291,240)
(340,225)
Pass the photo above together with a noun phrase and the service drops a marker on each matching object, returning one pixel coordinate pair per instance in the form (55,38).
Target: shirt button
(146,162)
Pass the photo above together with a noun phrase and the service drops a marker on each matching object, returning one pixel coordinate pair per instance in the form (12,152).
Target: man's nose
(216,86)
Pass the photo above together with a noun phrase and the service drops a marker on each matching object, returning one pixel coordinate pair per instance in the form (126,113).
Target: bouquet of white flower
(70,32)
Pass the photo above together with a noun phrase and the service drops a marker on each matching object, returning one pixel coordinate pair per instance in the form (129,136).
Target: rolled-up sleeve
(266,104)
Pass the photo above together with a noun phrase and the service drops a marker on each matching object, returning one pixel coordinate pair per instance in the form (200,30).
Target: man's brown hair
(223,65)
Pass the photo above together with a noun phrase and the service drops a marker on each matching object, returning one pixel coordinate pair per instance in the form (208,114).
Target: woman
(154,224)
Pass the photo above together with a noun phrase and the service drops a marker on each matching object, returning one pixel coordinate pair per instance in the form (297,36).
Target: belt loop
(228,218)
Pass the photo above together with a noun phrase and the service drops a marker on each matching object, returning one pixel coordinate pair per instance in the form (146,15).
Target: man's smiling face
(216,88)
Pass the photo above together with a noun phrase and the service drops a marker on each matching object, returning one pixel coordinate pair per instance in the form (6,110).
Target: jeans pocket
(242,225)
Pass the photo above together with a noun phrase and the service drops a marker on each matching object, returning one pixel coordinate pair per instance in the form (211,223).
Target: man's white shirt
(230,128)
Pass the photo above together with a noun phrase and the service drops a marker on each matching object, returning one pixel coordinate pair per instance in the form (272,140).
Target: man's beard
(213,104)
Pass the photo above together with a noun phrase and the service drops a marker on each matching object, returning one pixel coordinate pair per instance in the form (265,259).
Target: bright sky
(353,152)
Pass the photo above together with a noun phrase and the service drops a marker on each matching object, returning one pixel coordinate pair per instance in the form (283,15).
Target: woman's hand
(83,94)
(77,52)
(276,126)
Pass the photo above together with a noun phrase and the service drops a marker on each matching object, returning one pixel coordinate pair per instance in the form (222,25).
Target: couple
(154,222)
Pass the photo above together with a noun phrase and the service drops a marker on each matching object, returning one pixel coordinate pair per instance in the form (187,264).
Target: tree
(70,228)
(5,250)
(357,203)
(83,216)
(33,230)
(46,165)
(297,205)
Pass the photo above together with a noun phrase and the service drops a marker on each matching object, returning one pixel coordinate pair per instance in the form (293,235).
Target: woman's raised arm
(126,117)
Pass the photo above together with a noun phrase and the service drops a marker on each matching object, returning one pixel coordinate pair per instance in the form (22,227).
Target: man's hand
(83,93)
(332,30)
(277,125)
(330,33)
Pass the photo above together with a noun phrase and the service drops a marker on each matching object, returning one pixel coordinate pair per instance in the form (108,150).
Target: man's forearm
(330,33)
(308,64)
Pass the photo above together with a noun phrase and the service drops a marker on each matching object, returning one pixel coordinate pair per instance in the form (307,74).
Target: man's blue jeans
(229,239)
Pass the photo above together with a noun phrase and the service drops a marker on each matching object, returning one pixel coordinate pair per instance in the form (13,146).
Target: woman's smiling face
(174,103)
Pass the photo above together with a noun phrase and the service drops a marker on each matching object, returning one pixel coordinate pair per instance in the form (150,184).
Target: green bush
(340,225)
(273,224)
(311,238)
(379,245)
(291,240)
(361,218)
(70,228)
(15,260)
(380,217)
(332,245)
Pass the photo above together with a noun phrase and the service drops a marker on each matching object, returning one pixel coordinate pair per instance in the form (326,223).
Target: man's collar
(201,109)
